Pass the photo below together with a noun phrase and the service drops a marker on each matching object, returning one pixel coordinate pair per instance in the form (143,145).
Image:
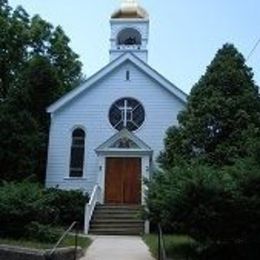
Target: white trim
(90,207)
(74,178)
(67,172)
(128,56)
(129,20)
(145,172)
(144,152)
(142,146)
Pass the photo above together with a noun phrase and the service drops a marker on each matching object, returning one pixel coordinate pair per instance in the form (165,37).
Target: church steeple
(129,30)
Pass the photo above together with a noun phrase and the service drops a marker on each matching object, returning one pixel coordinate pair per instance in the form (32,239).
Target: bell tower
(129,30)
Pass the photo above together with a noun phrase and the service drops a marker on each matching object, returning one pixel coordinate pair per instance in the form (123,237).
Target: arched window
(77,153)
(129,36)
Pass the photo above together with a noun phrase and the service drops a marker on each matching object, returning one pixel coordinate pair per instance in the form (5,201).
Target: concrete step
(130,211)
(116,225)
(122,221)
(113,209)
(117,231)
(119,206)
(117,220)
(122,215)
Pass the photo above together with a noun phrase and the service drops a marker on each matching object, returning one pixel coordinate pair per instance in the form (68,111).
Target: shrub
(24,204)
(70,205)
(212,206)
(41,233)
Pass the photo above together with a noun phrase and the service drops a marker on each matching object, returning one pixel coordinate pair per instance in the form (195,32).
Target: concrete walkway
(117,248)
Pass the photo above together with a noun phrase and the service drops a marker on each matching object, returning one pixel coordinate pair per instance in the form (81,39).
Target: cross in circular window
(126,113)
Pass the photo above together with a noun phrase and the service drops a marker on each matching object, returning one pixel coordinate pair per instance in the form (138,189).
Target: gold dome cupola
(130,9)
(129,30)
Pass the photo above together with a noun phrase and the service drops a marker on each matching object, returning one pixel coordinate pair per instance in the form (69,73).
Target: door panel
(123,181)
(132,181)
(114,181)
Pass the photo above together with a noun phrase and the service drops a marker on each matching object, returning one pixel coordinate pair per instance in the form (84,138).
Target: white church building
(106,134)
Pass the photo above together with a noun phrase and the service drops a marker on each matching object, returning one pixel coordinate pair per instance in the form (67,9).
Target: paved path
(117,248)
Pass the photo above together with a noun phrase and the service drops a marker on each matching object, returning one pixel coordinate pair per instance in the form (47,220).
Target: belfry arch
(129,36)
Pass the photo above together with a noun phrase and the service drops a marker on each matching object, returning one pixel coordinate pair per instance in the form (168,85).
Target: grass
(176,246)
(83,242)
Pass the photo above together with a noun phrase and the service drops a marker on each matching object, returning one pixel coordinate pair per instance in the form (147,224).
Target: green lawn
(177,247)
(69,241)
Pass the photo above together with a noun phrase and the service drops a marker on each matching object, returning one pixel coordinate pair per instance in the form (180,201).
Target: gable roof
(124,134)
(128,56)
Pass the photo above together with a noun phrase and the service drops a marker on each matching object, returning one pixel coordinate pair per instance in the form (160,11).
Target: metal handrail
(74,224)
(161,246)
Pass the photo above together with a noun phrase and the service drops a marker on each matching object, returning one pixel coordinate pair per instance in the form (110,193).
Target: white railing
(129,47)
(90,206)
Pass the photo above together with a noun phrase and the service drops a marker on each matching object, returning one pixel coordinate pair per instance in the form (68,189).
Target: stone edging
(21,253)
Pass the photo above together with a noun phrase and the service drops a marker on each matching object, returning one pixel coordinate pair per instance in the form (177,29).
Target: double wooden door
(123,181)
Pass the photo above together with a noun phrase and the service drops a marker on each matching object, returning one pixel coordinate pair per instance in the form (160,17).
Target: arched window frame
(77,149)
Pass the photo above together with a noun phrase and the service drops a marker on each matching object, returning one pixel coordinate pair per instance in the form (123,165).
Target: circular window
(126,113)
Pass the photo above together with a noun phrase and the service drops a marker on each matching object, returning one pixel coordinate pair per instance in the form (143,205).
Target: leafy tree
(223,109)
(14,40)
(37,66)
(40,87)
(64,60)
(19,143)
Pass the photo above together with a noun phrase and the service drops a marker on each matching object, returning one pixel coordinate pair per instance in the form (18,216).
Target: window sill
(75,178)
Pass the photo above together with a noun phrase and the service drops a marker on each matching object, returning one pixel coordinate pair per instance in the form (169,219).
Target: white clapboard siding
(90,110)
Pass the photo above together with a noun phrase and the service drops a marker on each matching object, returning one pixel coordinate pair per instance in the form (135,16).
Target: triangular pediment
(144,67)
(123,141)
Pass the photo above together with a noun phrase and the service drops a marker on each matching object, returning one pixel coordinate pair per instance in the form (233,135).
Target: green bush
(42,233)
(212,206)
(70,205)
(24,204)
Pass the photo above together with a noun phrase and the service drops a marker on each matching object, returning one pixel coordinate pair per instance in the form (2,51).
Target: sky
(184,34)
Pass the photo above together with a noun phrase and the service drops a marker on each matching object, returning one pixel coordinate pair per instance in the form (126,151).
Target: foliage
(41,233)
(70,205)
(183,247)
(176,246)
(223,109)
(37,66)
(210,205)
(22,203)
(19,137)
(209,185)
(23,38)
(27,208)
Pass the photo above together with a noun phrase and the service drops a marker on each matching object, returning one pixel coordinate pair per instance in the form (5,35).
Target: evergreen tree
(222,112)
